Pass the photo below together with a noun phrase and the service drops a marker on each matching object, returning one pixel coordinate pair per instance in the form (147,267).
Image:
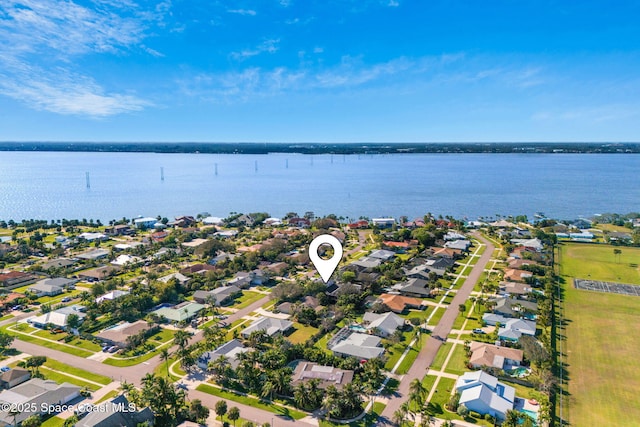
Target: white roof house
(125,259)
(231,350)
(534,244)
(111,295)
(358,345)
(383,324)
(57,317)
(483,393)
(213,220)
(382,254)
(271,326)
(90,237)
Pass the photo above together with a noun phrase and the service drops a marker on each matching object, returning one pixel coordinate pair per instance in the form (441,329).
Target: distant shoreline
(325,148)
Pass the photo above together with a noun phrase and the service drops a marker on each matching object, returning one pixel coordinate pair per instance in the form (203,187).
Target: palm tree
(400,415)
(511,418)
(417,392)
(220,368)
(181,338)
(268,387)
(164,356)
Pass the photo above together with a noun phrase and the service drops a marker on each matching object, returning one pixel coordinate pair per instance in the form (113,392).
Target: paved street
(428,353)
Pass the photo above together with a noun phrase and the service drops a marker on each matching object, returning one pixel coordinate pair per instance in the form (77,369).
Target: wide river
(53,185)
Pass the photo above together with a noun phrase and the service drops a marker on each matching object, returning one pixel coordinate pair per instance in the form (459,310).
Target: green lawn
(370,420)
(108,396)
(247,298)
(456,364)
(76,351)
(77,342)
(256,403)
(604,380)
(5,317)
(302,333)
(61,378)
(600,347)
(441,397)
(161,369)
(437,315)
(443,352)
(408,360)
(72,370)
(598,262)
(53,422)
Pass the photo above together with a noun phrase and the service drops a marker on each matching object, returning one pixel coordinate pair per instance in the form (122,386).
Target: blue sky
(326,70)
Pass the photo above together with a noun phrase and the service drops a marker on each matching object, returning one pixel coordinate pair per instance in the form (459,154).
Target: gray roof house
(36,393)
(382,254)
(365,263)
(219,294)
(116,412)
(483,393)
(492,319)
(414,287)
(361,346)
(181,278)
(328,375)
(230,350)
(463,245)
(384,324)
(513,329)
(13,377)
(512,307)
(43,289)
(270,325)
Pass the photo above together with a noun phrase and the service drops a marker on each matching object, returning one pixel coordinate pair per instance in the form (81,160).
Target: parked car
(65,299)
(478,331)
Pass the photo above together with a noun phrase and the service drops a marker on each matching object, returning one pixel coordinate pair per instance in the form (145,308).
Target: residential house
(93,237)
(366,263)
(382,254)
(414,288)
(358,225)
(93,254)
(535,244)
(518,263)
(183,222)
(13,377)
(513,329)
(513,307)
(399,304)
(111,295)
(182,312)
(278,268)
(383,222)
(213,220)
(270,325)
(452,235)
(483,354)
(362,346)
(328,375)
(57,318)
(515,288)
(384,324)
(230,350)
(300,222)
(15,279)
(197,269)
(484,394)
(43,289)
(244,279)
(181,278)
(117,412)
(122,260)
(194,243)
(144,223)
(492,319)
(398,247)
(57,263)
(118,335)
(219,295)
(220,257)
(118,230)
(515,275)
(462,245)
(37,394)
(8,300)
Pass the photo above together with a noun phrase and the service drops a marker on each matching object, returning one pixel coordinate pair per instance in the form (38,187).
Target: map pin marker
(325,267)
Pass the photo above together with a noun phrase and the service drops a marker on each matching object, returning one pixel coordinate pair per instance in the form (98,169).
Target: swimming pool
(530,414)
(358,328)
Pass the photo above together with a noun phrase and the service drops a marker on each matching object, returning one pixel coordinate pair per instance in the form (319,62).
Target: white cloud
(40,41)
(63,92)
(393,3)
(267,46)
(246,12)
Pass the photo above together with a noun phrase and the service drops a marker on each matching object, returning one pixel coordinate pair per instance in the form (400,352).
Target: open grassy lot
(443,352)
(72,370)
(61,378)
(302,333)
(247,298)
(598,262)
(604,380)
(252,401)
(456,363)
(601,349)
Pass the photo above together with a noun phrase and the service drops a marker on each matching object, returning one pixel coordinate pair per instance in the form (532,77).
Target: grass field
(598,262)
(247,298)
(601,349)
(276,409)
(443,352)
(72,370)
(456,364)
(302,333)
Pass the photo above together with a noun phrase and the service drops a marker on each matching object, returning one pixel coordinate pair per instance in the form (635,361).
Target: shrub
(474,414)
